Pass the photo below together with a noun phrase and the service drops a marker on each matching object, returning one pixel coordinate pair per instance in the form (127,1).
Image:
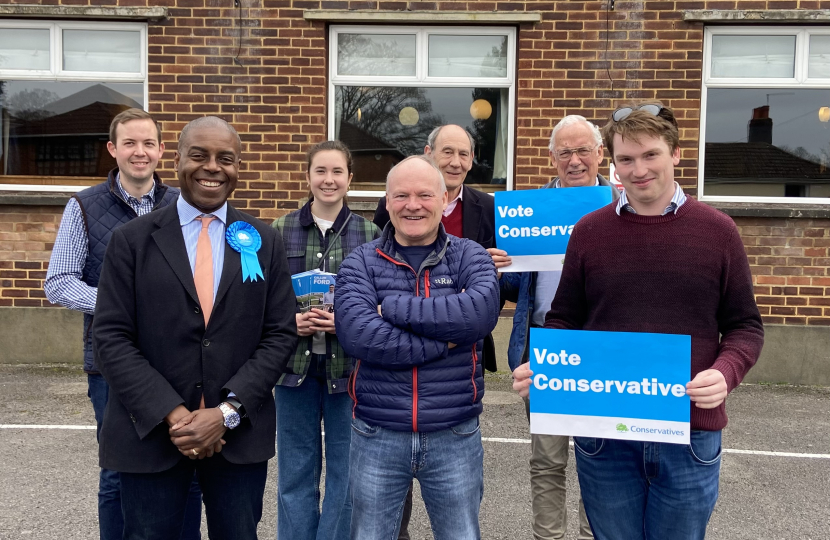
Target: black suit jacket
(478,223)
(152,346)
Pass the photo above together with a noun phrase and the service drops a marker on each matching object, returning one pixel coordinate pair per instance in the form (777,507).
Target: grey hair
(208,121)
(434,135)
(571,120)
(426,159)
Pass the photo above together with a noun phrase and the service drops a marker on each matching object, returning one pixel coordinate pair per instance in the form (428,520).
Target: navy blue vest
(104,210)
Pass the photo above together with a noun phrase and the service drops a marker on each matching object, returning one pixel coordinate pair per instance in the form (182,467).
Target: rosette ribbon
(246,241)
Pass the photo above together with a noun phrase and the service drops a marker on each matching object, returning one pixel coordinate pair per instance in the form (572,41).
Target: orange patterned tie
(203,274)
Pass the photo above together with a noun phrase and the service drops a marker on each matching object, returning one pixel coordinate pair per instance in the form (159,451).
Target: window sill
(769,210)
(20,198)
(120,13)
(755,16)
(419,16)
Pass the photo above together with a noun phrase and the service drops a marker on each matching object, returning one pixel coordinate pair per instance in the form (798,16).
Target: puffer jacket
(407,378)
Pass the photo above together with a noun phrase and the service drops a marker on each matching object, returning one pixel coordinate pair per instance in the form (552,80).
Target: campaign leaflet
(611,385)
(314,289)
(533,226)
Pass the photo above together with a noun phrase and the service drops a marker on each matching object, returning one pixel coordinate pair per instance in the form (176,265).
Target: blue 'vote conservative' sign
(613,385)
(534,226)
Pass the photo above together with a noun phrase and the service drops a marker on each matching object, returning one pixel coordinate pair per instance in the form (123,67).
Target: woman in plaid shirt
(313,388)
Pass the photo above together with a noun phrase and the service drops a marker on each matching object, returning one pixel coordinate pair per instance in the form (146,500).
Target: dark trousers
(110,516)
(154,503)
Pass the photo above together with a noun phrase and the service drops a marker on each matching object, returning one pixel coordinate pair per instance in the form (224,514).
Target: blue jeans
(448,464)
(155,504)
(649,491)
(300,460)
(110,516)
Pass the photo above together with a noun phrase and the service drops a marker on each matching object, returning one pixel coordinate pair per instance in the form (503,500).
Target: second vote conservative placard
(612,385)
(533,226)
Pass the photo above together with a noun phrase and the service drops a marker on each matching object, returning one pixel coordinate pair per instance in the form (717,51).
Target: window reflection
(769,142)
(376,54)
(60,128)
(383,125)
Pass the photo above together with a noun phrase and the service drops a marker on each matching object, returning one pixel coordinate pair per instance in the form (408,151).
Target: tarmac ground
(775,472)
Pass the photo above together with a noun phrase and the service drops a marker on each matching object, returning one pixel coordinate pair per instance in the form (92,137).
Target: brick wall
(26,237)
(276,99)
(790,261)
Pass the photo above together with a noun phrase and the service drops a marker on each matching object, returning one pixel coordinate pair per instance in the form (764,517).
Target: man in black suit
(191,333)
(470,214)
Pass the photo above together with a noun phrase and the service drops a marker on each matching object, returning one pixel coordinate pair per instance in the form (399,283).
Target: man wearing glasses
(666,264)
(576,152)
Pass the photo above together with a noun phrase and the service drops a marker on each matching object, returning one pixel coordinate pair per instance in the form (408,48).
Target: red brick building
(749,82)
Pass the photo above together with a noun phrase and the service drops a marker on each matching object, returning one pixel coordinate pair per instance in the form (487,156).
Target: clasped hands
(315,320)
(197,434)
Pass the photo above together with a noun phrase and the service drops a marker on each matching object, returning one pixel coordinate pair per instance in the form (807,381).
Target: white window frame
(799,80)
(58,74)
(422,78)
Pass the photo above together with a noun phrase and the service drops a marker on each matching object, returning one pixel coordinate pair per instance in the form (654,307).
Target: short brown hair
(131,114)
(640,122)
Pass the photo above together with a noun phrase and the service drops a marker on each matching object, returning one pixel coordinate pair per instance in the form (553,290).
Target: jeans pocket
(705,446)
(589,446)
(466,428)
(362,428)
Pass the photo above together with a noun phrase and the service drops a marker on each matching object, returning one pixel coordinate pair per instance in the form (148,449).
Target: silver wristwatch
(231,416)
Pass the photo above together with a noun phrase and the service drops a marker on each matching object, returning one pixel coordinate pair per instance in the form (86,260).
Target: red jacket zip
(473,377)
(353,393)
(414,369)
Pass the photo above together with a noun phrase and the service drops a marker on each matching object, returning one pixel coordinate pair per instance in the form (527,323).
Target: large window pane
(467,56)
(753,56)
(767,142)
(376,54)
(24,48)
(60,128)
(819,58)
(383,125)
(112,51)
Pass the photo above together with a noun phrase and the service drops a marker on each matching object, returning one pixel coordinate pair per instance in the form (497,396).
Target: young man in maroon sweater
(666,264)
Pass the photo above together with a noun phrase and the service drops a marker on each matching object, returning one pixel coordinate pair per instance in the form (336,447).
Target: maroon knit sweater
(684,273)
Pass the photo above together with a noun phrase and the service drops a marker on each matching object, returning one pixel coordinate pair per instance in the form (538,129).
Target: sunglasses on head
(623,112)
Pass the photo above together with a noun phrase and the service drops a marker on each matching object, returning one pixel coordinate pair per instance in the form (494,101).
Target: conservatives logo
(622,428)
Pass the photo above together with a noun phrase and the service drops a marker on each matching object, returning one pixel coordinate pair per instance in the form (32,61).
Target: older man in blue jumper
(414,306)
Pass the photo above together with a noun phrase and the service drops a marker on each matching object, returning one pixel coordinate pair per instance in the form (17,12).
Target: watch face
(231,416)
(232,420)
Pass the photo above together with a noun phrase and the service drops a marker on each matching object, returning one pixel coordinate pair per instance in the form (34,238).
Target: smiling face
(453,155)
(576,170)
(329,177)
(415,201)
(207,164)
(646,169)
(136,150)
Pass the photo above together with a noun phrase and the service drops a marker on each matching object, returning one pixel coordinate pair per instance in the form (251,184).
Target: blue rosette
(246,241)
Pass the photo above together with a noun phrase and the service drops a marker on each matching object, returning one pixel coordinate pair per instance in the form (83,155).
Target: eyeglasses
(623,112)
(566,153)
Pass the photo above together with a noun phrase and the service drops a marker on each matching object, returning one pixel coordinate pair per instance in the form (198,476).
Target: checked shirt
(304,246)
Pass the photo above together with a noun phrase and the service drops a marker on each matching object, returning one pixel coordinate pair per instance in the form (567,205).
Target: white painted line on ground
(725,450)
(485,439)
(44,426)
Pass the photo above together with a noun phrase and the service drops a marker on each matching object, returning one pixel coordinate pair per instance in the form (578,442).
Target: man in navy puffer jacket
(414,307)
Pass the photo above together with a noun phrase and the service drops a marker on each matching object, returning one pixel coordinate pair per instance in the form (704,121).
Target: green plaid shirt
(304,244)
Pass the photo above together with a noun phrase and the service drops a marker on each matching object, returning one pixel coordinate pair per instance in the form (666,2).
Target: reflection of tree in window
(60,128)
(375,110)
(30,104)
